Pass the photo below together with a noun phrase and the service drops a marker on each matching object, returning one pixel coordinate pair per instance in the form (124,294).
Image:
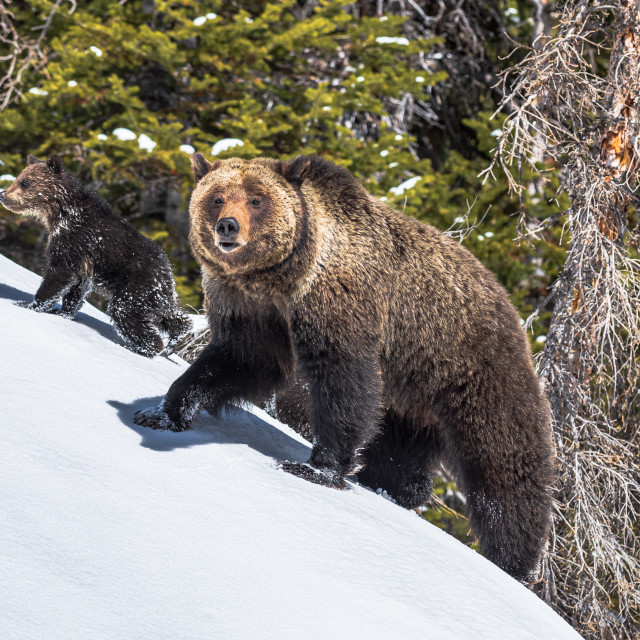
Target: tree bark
(591,366)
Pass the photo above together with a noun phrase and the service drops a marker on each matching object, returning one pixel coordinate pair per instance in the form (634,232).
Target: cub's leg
(139,333)
(402,460)
(73,299)
(176,324)
(54,285)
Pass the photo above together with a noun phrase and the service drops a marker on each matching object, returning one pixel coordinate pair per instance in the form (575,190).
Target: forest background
(412,97)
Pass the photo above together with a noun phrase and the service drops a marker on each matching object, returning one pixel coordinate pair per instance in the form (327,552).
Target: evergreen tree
(127,91)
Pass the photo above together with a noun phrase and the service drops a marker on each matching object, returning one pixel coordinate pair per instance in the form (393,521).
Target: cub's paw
(34,306)
(156,418)
(325,477)
(63,314)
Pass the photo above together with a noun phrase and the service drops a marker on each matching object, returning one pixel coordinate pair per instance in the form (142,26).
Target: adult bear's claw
(156,418)
(325,477)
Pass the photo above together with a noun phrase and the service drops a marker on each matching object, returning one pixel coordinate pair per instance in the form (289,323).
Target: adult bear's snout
(228,228)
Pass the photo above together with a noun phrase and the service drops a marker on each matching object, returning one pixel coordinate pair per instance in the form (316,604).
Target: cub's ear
(54,163)
(32,159)
(294,170)
(201,166)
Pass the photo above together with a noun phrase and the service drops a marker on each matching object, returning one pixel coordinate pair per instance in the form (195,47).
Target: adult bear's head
(246,215)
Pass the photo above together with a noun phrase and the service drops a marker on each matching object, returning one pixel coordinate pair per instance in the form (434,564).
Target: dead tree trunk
(591,361)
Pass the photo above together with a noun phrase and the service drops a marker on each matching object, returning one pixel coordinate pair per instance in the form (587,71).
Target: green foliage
(193,73)
(446,511)
(252,72)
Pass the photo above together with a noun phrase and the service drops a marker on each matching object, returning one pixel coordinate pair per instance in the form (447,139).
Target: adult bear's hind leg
(401,460)
(503,458)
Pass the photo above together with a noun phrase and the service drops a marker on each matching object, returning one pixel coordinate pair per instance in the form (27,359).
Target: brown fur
(409,347)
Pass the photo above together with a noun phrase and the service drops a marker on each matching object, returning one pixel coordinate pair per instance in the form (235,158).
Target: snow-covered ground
(112,531)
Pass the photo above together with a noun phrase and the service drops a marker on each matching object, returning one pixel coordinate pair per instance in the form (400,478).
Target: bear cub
(409,348)
(89,246)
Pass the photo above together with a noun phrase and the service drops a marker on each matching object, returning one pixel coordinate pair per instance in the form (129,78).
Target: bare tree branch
(20,51)
(561,112)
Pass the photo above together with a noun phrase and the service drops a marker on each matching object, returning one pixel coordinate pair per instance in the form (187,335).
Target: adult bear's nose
(228,228)
(3,193)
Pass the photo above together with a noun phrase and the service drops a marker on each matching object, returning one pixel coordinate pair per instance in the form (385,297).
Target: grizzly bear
(89,246)
(411,352)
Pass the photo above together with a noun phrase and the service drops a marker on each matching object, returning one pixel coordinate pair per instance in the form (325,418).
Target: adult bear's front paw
(156,418)
(325,477)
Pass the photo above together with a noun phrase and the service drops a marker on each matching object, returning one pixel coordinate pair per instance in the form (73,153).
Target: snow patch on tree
(405,186)
(146,143)
(225,144)
(392,40)
(124,134)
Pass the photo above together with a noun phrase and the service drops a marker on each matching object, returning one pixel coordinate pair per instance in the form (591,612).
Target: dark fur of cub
(90,247)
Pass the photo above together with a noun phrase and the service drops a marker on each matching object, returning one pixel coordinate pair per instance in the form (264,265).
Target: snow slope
(109,530)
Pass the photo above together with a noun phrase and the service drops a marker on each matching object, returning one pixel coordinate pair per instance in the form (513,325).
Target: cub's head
(39,189)
(245,213)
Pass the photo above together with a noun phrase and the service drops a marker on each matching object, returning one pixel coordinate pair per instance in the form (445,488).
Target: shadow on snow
(11,293)
(236,426)
(103,328)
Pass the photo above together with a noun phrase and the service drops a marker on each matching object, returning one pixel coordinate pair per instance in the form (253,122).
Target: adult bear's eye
(24,184)
(218,200)
(256,201)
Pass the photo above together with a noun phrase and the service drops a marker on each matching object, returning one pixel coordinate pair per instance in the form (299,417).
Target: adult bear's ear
(201,166)
(54,163)
(294,170)
(33,160)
